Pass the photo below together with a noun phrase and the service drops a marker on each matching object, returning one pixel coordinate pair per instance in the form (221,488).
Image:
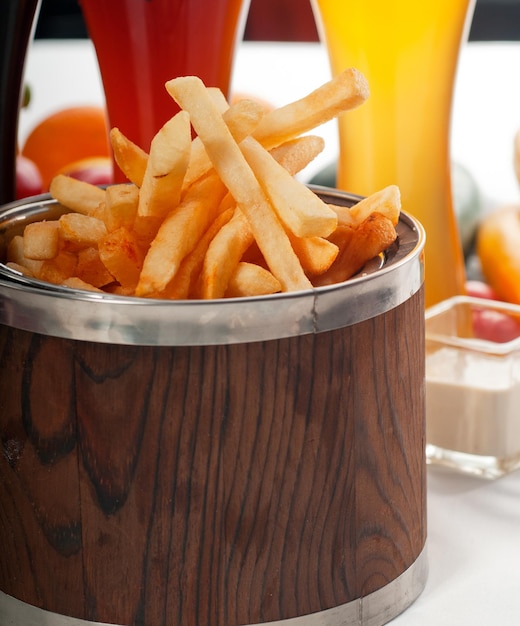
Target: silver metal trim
(46,309)
(375,609)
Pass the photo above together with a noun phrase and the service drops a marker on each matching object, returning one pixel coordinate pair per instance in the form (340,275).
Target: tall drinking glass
(16,27)
(141,44)
(408,51)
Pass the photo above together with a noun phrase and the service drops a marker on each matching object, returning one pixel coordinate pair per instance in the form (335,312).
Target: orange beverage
(408,51)
(141,44)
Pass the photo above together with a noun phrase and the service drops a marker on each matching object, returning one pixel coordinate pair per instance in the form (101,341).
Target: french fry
(77,283)
(387,201)
(184,283)
(80,231)
(374,235)
(179,234)
(344,92)
(41,240)
(76,195)
(229,162)
(241,119)
(166,167)
(316,254)
(20,269)
(58,269)
(130,158)
(298,208)
(294,155)
(91,269)
(15,254)
(342,235)
(120,207)
(346,218)
(121,254)
(249,280)
(224,254)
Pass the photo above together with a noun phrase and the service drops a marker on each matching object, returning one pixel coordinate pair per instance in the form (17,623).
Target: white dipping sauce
(473,402)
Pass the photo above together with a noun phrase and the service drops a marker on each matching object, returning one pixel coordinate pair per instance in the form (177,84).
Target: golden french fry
(346,219)
(80,231)
(15,254)
(294,155)
(249,280)
(130,158)
(228,160)
(179,234)
(374,235)
(387,201)
(184,283)
(224,254)
(121,254)
(21,269)
(342,235)
(41,240)
(166,167)
(316,254)
(241,119)
(76,195)
(91,269)
(120,207)
(298,208)
(346,91)
(58,269)
(219,99)
(77,283)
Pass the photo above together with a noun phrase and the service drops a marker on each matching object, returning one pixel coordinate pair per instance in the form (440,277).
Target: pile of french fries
(214,209)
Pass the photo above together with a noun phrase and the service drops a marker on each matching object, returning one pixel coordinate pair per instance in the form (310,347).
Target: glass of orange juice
(409,52)
(141,44)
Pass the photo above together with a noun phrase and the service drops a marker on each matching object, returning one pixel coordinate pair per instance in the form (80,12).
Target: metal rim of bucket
(47,309)
(375,609)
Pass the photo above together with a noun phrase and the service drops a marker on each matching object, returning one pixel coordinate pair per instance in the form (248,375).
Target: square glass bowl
(473,386)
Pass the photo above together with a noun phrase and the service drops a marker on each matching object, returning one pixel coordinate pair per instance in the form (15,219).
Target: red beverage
(141,44)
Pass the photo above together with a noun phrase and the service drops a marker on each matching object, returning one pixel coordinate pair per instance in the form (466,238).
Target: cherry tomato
(495,326)
(480,289)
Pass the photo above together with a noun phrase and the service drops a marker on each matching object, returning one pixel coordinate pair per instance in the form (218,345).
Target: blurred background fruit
(493,325)
(480,289)
(468,203)
(498,250)
(65,137)
(93,170)
(28,178)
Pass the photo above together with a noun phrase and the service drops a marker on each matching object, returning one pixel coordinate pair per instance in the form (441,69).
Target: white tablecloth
(473,525)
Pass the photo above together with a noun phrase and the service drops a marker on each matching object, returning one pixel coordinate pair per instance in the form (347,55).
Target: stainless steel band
(376,609)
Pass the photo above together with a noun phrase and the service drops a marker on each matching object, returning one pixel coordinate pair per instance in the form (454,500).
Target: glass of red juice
(141,44)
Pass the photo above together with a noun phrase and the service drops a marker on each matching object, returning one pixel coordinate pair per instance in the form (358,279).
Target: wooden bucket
(213,464)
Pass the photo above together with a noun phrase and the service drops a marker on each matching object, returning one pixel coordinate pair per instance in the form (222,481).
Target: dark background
(288,20)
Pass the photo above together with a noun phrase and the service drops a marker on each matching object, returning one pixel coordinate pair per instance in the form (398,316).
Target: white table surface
(473,525)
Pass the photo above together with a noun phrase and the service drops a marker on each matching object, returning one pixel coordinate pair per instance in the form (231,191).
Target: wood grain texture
(212,486)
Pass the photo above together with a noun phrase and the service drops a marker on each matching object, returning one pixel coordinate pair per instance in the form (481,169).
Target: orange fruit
(93,170)
(498,250)
(66,136)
